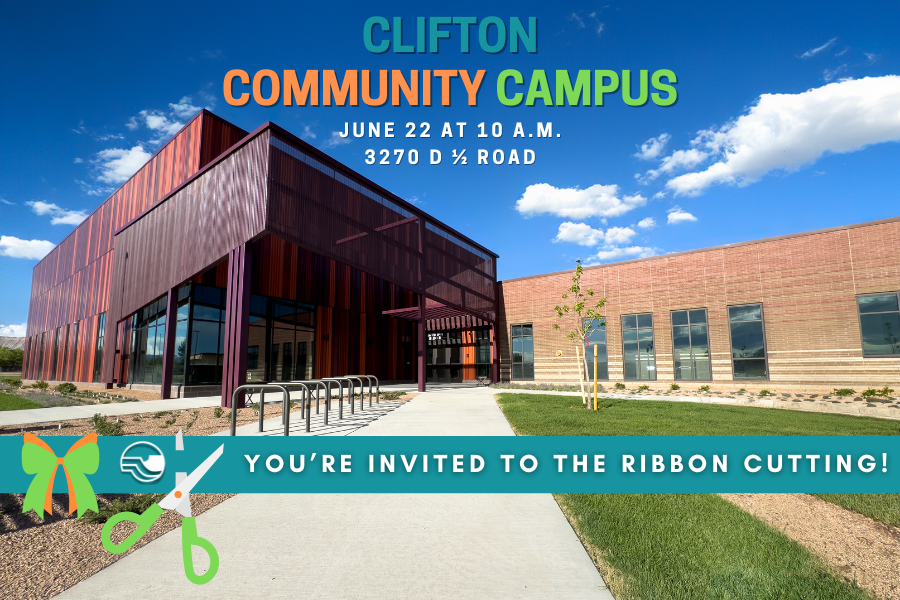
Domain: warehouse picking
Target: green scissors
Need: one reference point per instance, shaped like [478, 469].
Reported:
[179, 500]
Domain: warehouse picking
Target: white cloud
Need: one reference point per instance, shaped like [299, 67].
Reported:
[183, 108]
[823, 47]
[336, 140]
[617, 253]
[872, 57]
[677, 161]
[788, 131]
[13, 330]
[678, 215]
[7, 202]
[579, 233]
[94, 190]
[648, 223]
[78, 160]
[652, 148]
[619, 235]
[117, 164]
[30, 249]
[574, 203]
[308, 133]
[59, 215]
[659, 195]
[830, 74]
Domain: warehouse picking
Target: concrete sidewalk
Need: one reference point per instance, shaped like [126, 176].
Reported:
[407, 546]
[67, 413]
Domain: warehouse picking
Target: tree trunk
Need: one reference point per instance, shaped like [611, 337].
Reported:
[582, 370]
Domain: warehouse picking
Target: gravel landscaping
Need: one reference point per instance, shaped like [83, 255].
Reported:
[860, 549]
[42, 558]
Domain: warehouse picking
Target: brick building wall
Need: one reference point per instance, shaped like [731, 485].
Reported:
[807, 284]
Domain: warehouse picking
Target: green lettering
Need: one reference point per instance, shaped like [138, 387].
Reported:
[564, 90]
[600, 88]
[539, 88]
[626, 89]
[672, 97]
[501, 87]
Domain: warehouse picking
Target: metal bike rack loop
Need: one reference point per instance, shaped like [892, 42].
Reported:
[377, 387]
[285, 418]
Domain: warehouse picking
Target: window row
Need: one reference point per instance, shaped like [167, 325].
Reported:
[879, 322]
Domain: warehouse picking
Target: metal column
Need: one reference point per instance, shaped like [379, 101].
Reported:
[237, 324]
[169, 344]
[421, 343]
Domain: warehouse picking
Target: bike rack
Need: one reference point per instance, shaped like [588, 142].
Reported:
[285, 418]
[340, 381]
[377, 387]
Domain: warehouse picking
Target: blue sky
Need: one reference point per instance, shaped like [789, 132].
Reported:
[787, 119]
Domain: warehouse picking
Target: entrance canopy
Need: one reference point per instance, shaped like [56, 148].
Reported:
[438, 317]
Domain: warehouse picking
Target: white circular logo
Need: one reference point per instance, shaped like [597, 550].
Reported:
[144, 461]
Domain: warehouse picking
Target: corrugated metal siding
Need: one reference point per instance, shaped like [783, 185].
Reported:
[72, 282]
[192, 229]
[339, 216]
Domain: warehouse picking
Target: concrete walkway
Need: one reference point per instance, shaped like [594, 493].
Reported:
[86, 411]
[413, 546]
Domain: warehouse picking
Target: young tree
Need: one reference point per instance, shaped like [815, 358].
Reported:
[584, 307]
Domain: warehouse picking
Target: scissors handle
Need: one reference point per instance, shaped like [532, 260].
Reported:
[189, 538]
[144, 522]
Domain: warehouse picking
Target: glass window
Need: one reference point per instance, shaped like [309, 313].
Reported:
[483, 352]
[596, 339]
[523, 352]
[98, 348]
[690, 345]
[253, 357]
[748, 341]
[638, 348]
[879, 323]
[148, 333]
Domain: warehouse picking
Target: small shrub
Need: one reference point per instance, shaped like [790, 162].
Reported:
[765, 393]
[704, 388]
[196, 415]
[104, 427]
[167, 423]
[394, 395]
[162, 413]
[136, 504]
[741, 391]
[218, 412]
[619, 386]
[66, 388]
[883, 392]
[12, 382]
[844, 392]
[41, 385]
[674, 387]
[643, 387]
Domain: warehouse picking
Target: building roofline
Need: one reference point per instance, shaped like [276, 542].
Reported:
[319, 155]
[722, 247]
[124, 183]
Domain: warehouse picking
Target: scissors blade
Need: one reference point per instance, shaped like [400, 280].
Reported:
[183, 488]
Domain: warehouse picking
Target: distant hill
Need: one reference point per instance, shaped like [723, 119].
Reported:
[16, 343]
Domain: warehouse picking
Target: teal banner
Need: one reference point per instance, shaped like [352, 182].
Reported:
[482, 464]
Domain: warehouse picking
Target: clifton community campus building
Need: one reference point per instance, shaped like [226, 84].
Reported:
[235, 257]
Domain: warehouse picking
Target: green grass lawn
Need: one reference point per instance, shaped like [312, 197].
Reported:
[881, 507]
[535, 414]
[688, 546]
[10, 402]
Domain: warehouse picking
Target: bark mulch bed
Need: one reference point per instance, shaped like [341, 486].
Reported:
[858, 548]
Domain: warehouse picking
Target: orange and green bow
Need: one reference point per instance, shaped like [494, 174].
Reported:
[82, 459]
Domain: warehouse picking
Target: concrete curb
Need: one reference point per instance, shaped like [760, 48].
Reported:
[32, 416]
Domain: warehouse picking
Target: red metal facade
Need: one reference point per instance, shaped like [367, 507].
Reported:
[71, 284]
[193, 228]
[339, 242]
